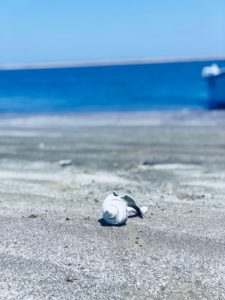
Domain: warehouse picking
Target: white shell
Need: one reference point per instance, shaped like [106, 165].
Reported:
[114, 210]
[132, 211]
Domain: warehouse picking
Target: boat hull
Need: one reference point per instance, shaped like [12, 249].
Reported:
[216, 86]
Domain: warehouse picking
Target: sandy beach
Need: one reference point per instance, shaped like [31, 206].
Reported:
[51, 243]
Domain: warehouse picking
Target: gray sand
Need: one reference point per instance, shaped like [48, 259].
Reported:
[51, 243]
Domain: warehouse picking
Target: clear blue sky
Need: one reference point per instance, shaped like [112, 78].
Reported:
[71, 30]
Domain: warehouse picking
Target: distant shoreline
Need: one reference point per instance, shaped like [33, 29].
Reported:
[106, 63]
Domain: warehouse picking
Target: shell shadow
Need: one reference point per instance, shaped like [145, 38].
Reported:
[132, 216]
[105, 224]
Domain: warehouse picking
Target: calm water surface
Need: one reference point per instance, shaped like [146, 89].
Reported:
[130, 87]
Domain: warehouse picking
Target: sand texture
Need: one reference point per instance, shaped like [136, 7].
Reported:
[51, 243]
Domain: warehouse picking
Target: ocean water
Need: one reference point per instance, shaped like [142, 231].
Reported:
[162, 86]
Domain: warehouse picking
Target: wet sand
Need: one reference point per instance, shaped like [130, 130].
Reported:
[51, 243]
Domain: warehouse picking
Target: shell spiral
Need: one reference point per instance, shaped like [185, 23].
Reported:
[114, 210]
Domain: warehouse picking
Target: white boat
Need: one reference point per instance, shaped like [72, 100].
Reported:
[215, 77]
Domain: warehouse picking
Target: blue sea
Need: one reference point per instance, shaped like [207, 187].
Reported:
[163, 86]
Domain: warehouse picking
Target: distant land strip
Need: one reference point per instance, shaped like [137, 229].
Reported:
[83, 64]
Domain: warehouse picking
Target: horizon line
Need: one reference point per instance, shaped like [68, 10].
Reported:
[107, 63]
